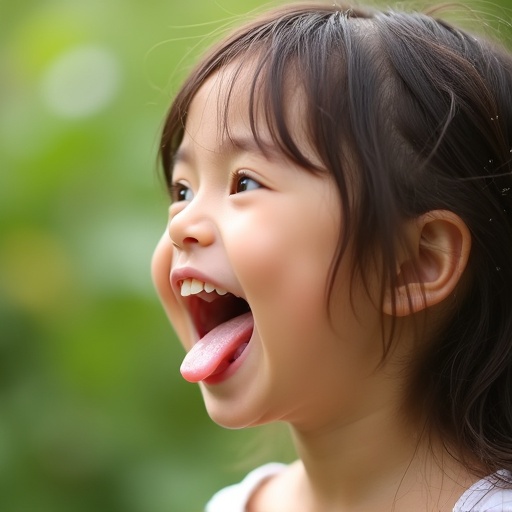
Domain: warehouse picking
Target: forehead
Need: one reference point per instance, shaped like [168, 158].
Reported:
[221, 102]
[236, 106]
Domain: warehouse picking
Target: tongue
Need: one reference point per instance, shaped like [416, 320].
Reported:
[216, 348]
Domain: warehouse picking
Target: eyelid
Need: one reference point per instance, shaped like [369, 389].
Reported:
[175, 187]
[239, 174]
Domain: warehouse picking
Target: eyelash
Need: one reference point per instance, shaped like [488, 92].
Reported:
[175, 191]
[238, 177]
[178, 191]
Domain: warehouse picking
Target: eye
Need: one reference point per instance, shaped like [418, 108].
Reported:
[180, 192]
[242, 182]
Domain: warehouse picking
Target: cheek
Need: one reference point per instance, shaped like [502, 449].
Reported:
[283, 261]
[161, 265]
[160, 271]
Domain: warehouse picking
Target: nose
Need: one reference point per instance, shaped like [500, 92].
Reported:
[191, 227]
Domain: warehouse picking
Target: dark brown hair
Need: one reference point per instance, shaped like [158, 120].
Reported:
[417, 115]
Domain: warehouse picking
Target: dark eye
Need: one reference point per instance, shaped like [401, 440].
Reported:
[180, 192]
[244, 184]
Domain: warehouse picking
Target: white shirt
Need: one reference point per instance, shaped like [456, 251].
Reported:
[484, 496]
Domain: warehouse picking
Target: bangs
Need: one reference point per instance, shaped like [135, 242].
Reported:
[295, 61]
[275, 103]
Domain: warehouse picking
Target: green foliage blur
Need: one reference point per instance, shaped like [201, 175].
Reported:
[94, 415]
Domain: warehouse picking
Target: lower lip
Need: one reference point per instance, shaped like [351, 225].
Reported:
[231, 369]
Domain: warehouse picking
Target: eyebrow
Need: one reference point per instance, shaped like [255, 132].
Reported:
[232, 146]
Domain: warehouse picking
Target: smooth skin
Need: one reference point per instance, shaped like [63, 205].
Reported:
[265, 229]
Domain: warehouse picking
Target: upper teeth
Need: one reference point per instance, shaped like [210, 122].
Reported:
[194, 286]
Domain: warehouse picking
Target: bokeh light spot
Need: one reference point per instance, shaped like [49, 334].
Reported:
[81, 81]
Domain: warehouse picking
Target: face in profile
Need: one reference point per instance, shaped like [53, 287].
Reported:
[243, 274]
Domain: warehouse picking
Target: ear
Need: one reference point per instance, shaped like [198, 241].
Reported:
[437, 249]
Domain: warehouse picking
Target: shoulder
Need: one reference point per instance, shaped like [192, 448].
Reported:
[235, 498]
[282, 492]
[487, 495]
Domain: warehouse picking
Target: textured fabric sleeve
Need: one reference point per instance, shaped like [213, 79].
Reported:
[234, 498]
[487, 495]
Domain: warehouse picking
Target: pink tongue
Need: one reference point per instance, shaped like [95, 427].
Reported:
[216, 347]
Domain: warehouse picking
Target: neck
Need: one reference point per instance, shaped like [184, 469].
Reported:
[378, 463]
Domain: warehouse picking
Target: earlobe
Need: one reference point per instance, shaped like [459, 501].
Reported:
[438, 246]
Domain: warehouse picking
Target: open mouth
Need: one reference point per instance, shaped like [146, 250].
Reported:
[224, 325]
[208, 315]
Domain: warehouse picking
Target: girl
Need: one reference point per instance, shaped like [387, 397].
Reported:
[338, 257]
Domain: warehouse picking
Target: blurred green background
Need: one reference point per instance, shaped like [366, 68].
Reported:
[93, 412]
[94, 415]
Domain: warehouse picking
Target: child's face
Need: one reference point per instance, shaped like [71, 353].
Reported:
[266, 230]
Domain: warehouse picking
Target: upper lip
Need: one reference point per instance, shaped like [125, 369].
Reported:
[180, 274]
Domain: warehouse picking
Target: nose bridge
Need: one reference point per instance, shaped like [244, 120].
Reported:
[193, 224]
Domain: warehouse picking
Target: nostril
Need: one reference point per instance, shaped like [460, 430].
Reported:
[190, 231]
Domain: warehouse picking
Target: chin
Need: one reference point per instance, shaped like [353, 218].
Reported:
[232, 416]
[227, 416]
